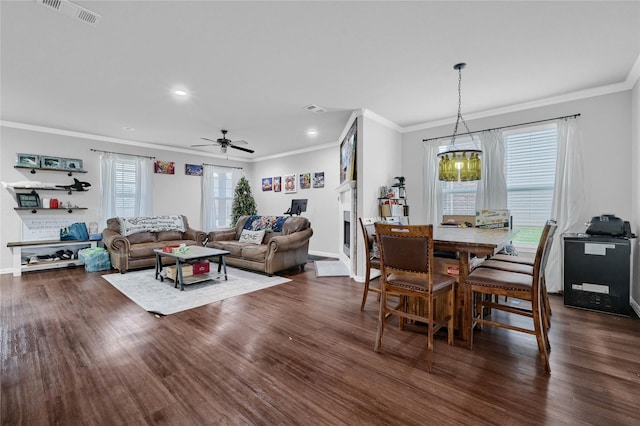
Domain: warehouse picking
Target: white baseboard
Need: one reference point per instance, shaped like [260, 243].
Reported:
[635, 307]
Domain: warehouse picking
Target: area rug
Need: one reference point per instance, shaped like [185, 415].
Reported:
[331, 268]
[159, 297]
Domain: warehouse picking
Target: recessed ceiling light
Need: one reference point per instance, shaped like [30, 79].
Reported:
[312, 133]
[180, 92]
[128, 129]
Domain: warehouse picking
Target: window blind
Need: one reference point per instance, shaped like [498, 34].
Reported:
[126, 187]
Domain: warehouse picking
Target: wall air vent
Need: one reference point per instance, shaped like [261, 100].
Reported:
[315, 108]
[67, 8]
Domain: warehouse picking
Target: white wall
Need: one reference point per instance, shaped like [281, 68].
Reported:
[322, 207]
[173, 194]
[606, 139]
[635, 191]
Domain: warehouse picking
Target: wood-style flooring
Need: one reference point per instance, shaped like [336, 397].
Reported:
[75, 351]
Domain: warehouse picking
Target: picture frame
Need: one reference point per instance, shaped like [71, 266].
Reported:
[193, 169]
[348, 153]
[47, 162]
[72, 164]
[277, 183]
[318, 179]
[31, 200]
[164, 167]
[290, 186]
[28, 160]
[267, 184]
[305, 180]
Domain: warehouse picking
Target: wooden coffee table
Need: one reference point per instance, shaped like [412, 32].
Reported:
[195, 254]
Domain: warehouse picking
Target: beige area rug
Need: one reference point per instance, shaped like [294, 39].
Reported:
[160, 297]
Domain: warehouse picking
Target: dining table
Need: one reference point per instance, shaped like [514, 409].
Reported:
[468, 242]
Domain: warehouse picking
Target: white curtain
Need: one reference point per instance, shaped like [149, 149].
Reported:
[218, 185]
[142, 180]
[432, 189]
[568, 196]
[492, 188]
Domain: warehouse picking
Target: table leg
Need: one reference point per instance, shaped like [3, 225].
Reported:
[179, 277]
[464, 304]
[224, 265]
[158, 265]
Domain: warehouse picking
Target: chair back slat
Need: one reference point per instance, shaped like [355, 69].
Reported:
[406, 248]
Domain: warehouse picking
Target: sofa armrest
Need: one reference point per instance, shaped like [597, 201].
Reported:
[115, 241]
[226, 234]
[291, 241]
[194, 234]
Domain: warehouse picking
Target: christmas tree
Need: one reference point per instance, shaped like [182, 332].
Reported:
[243, 202]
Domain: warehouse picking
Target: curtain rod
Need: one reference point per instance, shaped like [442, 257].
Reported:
[219, 165]
[122, 153]
[505, 127]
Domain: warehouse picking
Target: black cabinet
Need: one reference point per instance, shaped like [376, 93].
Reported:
[597, 273]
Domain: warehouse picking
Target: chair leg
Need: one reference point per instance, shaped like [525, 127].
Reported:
[430, 336]
[541, 337]
[366, 289]
[450, 312]
[381, 318]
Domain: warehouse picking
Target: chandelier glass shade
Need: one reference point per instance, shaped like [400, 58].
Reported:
[460, 164]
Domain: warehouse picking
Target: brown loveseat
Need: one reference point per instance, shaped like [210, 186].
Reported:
[130, 241]
[284, 245]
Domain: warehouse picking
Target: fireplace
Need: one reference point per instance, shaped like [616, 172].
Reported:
[346, 232]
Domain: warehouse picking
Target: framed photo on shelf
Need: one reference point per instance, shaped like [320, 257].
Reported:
[28, 200]
[28, 160]
[47, 162]
[72, 164]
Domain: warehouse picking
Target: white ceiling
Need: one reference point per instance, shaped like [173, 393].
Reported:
[252, 67]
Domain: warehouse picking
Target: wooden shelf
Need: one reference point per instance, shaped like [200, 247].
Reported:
[33, 170]
[34, 210]
[33, 190]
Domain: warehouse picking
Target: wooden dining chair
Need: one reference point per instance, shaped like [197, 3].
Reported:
[406, 254]
[523, 264]
[490, 282]
[367, 225]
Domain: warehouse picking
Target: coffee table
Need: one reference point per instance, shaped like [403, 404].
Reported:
[195, 254]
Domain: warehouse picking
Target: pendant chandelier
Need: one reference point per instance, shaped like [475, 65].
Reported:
[460, 164]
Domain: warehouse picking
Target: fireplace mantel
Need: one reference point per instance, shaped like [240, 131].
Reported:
[347, 204]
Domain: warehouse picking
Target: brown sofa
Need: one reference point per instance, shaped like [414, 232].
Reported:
[135, 250]
[285, 243]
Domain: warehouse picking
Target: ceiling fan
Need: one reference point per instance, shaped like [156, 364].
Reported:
[224, 143]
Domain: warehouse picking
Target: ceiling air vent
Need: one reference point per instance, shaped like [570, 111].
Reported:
[315, 108]
[67, 8]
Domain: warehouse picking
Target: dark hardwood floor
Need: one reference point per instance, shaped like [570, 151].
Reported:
[77, 351]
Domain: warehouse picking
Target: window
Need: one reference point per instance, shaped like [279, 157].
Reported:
[223, 190]
[125, 187]
[530, 165]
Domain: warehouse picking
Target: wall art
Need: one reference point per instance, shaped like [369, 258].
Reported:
[193, 169]
[289, 184]
[267, 184]
[28, 160]
[72, 164]
[318, 179]
[277, 183]
[305, 180]
[164, 167]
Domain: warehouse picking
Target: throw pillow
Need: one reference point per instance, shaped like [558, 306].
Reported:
[254, 237]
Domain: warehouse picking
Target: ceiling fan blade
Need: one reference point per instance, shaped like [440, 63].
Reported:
[210, 140]
[250, 151]
[205, 144]
[240, 142]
